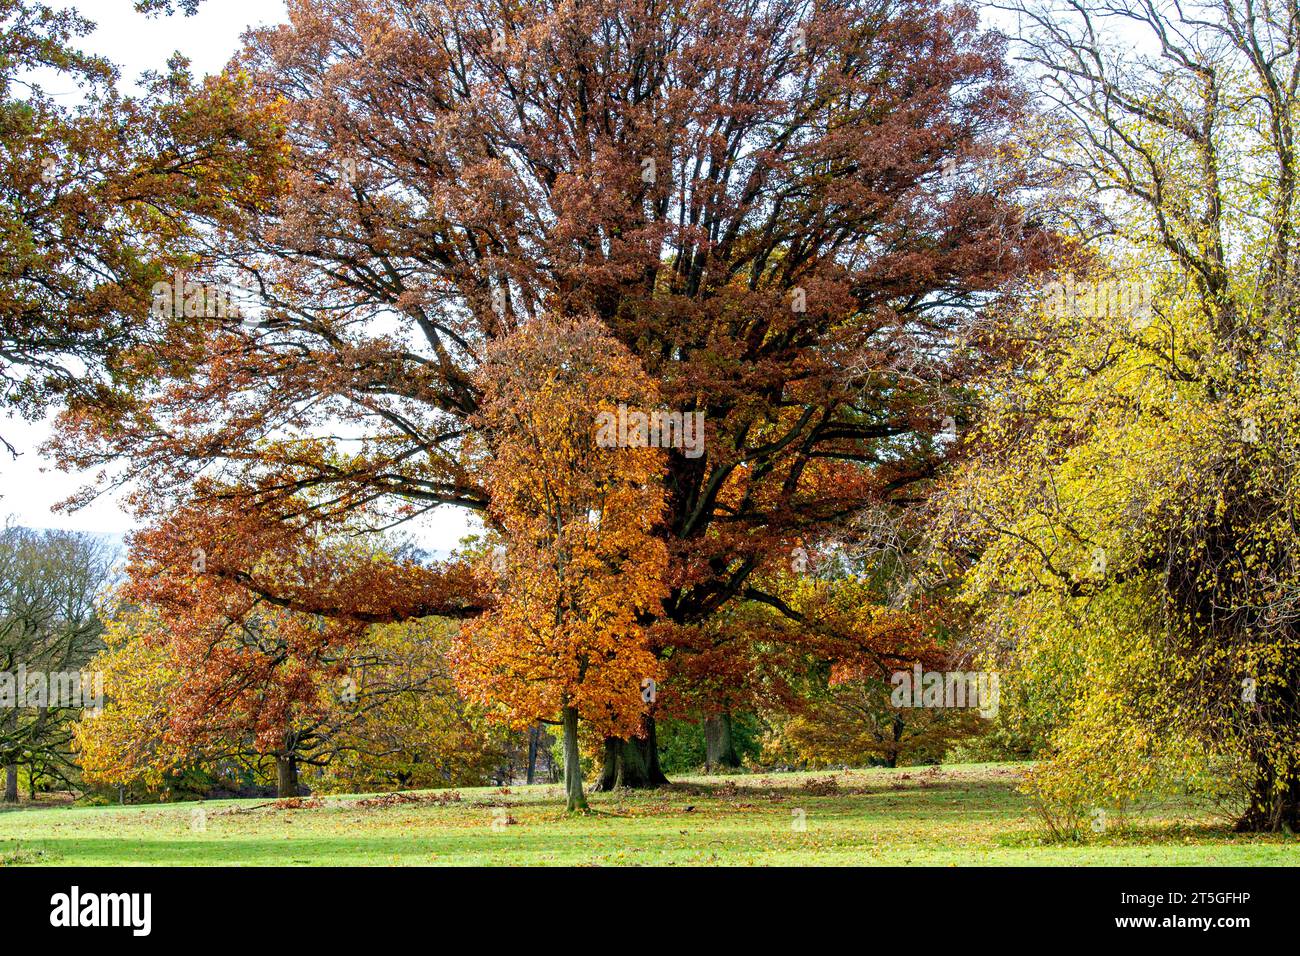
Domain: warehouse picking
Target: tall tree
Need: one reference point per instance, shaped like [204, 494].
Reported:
[51, 583]
[786, 211]
[1132, 491]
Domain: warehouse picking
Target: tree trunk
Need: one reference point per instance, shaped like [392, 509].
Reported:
[1275, 797]
[719, 748]
[577, 800]
[286, 774]
[534, 738]
[891, 754]
[1272, 807]
[631, 763]
[11, 769]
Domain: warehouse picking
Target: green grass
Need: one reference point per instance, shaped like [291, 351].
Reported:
[961, 815]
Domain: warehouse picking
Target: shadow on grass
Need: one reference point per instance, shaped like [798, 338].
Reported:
[892, 785]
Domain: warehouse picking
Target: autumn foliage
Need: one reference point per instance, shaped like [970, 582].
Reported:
[581, 570]
[468, 227]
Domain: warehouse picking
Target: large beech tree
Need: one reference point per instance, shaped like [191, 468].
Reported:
[786, 211]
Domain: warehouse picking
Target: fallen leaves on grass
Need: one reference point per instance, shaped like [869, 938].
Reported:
[821, 786]
[298, 803]
[288, 803]
[440, 797]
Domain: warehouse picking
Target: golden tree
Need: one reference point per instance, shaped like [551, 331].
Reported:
[1132, 490]
[580, 568]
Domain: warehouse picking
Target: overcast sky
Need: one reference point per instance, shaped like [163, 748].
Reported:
[31, 486]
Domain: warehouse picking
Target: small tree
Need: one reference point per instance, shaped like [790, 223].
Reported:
[253, 664]
[386, 715]
[580, 567]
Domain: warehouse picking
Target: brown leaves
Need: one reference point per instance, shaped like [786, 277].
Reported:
[742, 200]
[438, 798]
[255, 612]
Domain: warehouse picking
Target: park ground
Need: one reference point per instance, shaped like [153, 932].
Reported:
[959, 815]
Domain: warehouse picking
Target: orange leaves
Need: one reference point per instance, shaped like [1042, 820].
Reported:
[581, 568]
[240, 555]
[757, 236]
[255, 611]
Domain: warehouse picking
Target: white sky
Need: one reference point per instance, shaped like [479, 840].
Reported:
[31, 486]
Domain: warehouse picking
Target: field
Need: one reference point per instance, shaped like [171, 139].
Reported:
[960, 815]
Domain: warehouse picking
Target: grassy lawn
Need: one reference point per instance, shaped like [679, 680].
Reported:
[960, 815]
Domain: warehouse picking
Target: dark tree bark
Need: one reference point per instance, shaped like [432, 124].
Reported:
[1272, 807]
[286, 774]
[632, 763]
[1270, 812]
[891, 755]
[719, 747]
[534, 738]
[576, 799]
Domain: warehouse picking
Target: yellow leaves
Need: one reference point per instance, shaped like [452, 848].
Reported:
[126, 741]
